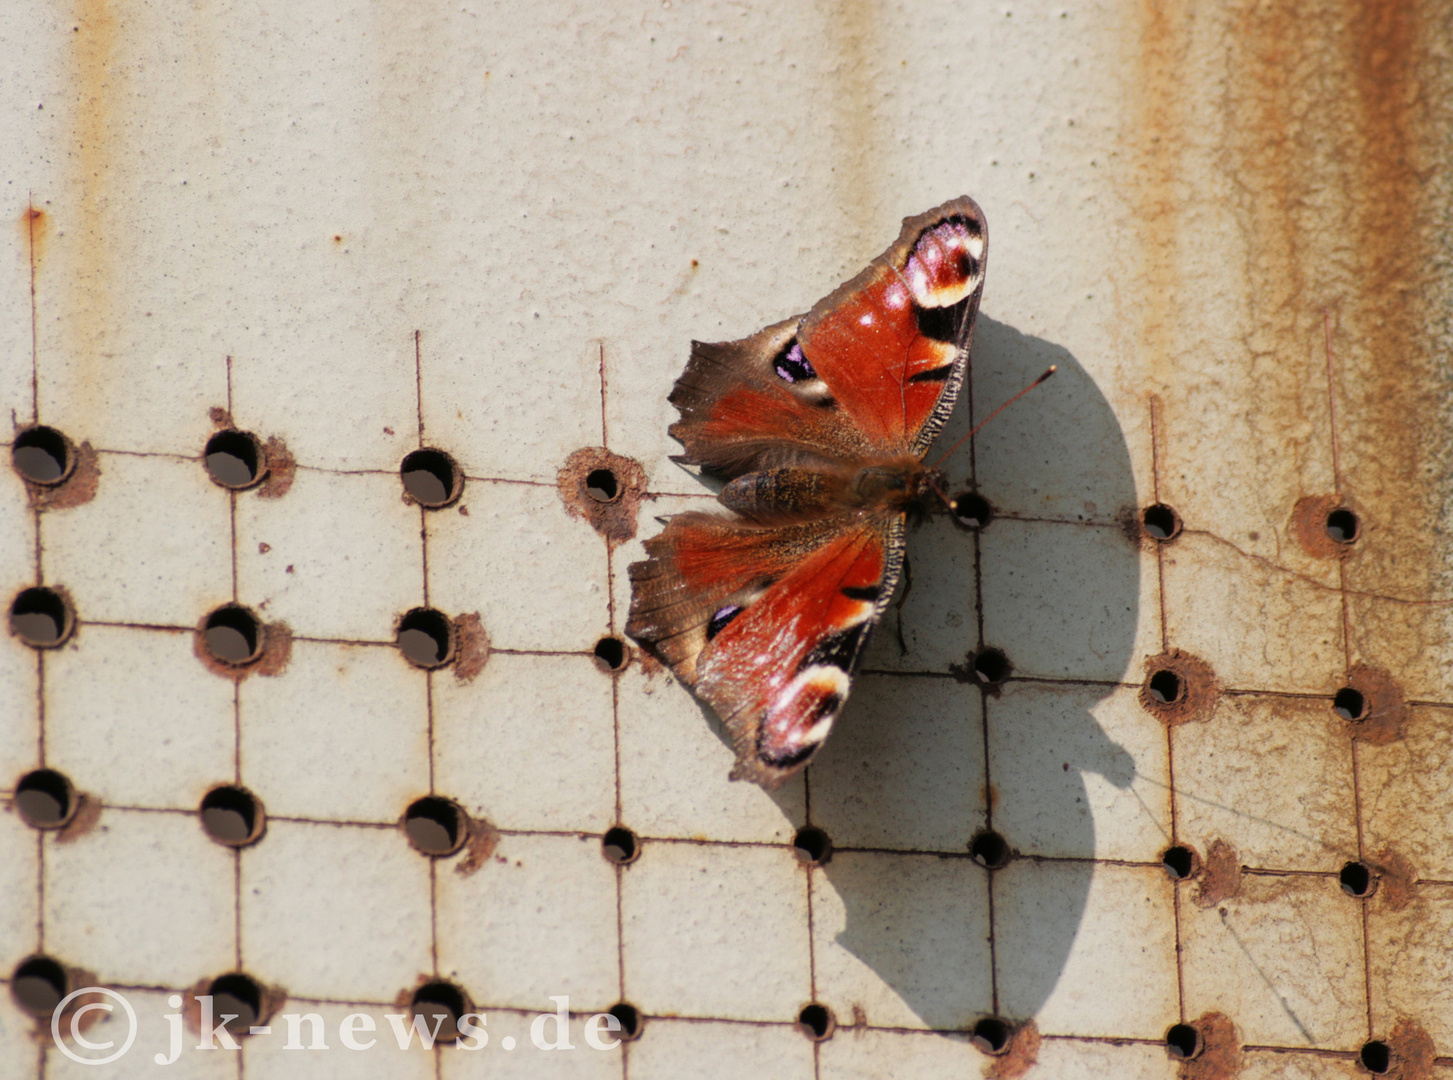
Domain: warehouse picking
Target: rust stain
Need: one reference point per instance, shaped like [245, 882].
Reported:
[77, 489]
[35, 229]
[221, 418]
[1019, 1057]
[1396, 878]
[1314, 138]
[1386, 706]
[89, 308]
[854, 39]
[471, 646]
[1221, 879]
[1220, 1056]
[1309, 525]
[1412, 1051]
[479, 846]
[1198, 689]
[271, 660]
[281, 469]
[614, 519]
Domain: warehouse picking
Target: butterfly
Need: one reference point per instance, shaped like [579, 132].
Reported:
[818, 425]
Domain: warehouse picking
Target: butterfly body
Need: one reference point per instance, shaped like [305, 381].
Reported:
[818, 424]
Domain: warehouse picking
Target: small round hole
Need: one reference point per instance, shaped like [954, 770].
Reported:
[232, 816]
[1160, 522]
[1376, 1057]
[234, 459]
[431, 478]
[1183, 1042]
[233, 635]
[442, 1003]
[816, 1022]
[991, 667]
[1357, 880]
[990, 850]
[1349, 704]
[426, 638]
[991, 1035]
[1166, 686]
[813, 846]
[620, 846]
[1180, 862]
[239, 995]
[45, 799]
[42, 455]
[1342, 526]
[435, 826]
[630, 1019]
[602, 486]
[972, 509]
[41, 618]
[611, 654]
[38, 985]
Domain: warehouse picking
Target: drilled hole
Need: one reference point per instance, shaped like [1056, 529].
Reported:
[45, 799]
[1160, 522]
[1166, 686]
[990, 850]
[232, 816]
[41, 618]
[239, 995]
[1183, 1042]
[431, 478]
[426, 638]
[991, 1035]
[619, 845]
[816, 1022]
[233, 635]
[1342, 526]
[602, 486]
[42, 455]
[1376, 1056]
[991, 667]
[813, 846]
[234, 459]
[1357, 880]
[442, 1003]
[38, 985]
[1349, 704]
[630, 1019]
[435, 826]
[972, 509]
[1180, 862]
[611, 654]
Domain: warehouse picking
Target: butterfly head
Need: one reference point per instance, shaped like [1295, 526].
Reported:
[903, 485]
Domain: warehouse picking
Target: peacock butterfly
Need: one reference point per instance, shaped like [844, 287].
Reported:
[818, 424]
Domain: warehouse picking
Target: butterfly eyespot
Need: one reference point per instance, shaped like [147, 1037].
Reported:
[724, 615]
[792, 366]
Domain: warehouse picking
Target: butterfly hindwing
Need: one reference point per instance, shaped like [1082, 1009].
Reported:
[766, 624]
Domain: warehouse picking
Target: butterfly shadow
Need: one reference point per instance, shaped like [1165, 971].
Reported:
[902, 911]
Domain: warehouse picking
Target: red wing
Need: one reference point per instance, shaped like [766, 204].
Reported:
[891, 344]
[766, 623]
[873, 369]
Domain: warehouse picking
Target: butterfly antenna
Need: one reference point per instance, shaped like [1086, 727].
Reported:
[1052, 369]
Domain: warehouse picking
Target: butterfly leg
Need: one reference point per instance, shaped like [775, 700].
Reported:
[898, 604]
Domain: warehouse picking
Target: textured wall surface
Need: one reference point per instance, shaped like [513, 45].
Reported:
[1213, 793]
